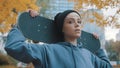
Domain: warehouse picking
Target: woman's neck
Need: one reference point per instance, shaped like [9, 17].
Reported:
[71, 40]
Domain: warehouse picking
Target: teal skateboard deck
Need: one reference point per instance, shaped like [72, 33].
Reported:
[44, 30]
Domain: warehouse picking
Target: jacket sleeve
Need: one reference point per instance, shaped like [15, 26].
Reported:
[19, 49]
[100, 60]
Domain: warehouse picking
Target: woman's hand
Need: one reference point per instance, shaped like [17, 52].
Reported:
[95, 35]
[33, 13]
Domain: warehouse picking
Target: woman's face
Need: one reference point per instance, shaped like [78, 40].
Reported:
[72, 25]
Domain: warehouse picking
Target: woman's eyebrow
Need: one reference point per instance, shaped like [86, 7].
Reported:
[78, 19]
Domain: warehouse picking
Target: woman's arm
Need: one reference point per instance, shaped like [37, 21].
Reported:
[19, 49]
[100, 60]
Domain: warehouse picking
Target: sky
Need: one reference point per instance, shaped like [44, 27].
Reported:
[110, 33]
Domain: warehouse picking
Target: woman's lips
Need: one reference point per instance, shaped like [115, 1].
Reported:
[77, 30]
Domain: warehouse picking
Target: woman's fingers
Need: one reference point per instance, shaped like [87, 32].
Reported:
[95, 35]
[33, 13]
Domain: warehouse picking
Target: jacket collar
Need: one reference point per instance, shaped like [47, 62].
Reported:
[80, 45]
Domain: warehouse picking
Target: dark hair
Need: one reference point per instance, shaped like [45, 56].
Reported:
[59, 20]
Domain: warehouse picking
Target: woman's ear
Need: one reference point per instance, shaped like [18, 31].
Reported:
[63, 30]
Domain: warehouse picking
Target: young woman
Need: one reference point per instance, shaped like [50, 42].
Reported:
[66, 54]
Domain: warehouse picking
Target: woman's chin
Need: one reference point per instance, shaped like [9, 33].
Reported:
[77, 36]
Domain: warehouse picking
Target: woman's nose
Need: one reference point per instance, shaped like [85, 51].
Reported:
[77, 24]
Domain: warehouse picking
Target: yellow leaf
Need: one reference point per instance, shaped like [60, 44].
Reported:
[10, 9]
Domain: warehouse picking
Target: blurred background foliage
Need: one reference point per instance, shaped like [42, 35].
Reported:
[10, 9]
[113, 49]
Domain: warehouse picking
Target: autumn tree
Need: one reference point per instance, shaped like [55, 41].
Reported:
[116, 48]
[113, 48]
[9, 10]
[100, 5]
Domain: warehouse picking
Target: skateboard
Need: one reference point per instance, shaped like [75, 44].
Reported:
[44, 30]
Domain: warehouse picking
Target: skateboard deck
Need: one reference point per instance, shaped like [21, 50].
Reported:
[44, 30]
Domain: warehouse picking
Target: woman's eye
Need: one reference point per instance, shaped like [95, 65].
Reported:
[70, 22]
[79, 22]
